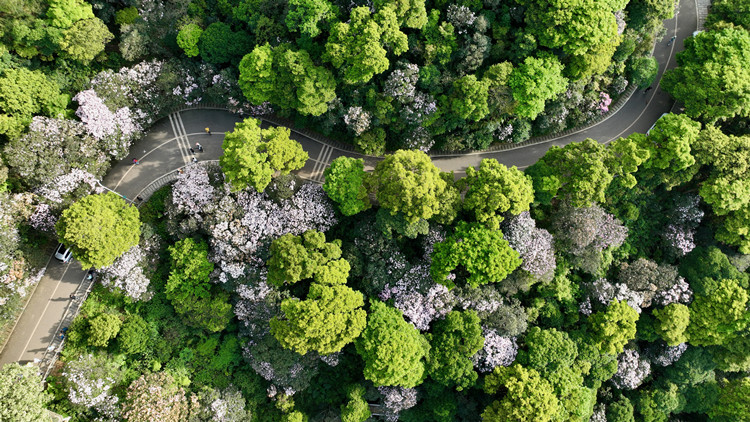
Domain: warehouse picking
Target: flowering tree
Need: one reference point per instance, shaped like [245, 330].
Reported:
[632, 370]
[357, 120]
[214, 405]
[192, 190]
[155, 397]
[22, 395]
[126, 274]
[497, 351]
[534, 245]
[90, 381]
[396, 400]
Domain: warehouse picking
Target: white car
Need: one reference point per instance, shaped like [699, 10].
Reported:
[63, 253]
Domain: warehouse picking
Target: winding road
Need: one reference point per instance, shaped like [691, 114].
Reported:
[166, 148]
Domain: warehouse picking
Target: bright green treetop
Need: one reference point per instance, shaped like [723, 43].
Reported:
[345, 182]
[483, 252]
[713, 76]
[305, 16]
[295, 258]
[535, 81]
[670, 140]
[102, 329]
[24, 93]
[719, 315]
[188, 38]
[468, 99]
[330, 318]
[736, 230]
[529, 397]
[86, 39]
[99, 228]
[612, 328]
[22, 395]
[454, 340]
[495, 189]
[576, 173]
[64, 13]
[408, 182]
[672, 321]
[252, 155]
[356, 408]
[734, 402]
[547, 350]
[411, 13]
[393, 350]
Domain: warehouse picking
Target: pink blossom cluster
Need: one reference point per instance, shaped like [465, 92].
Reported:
[535, 245]
[396, 400]
[56, 190]
[497, 351]
[126, 274]
[43, 218]
[420, 107]
[679, 239]
[632, 370]
[604, 102]
[418, 297]
[192, 190]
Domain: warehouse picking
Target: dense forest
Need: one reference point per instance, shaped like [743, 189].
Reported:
[603, 283]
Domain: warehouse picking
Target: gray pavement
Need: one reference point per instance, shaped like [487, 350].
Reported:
[166, 148]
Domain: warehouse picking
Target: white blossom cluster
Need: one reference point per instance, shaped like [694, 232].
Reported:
[126, 274]
[669, 354]
[418, 297]
[603, 292]
[502, 134]
[357, 119]
[396, 400]
[402, 82]
[433, 236]
[253, 311]
[534, 245]
[192, 190]
[632, 370]
[497, 351]
[461, 17]
[332, 359]
[679, 292]
[90, 385]
[43, 218]
[56, 190]
[600, 413]
[419, 138]
[116, 128]
[684, 219]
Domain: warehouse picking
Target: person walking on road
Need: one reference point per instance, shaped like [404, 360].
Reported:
[136, 162]
[671, 40]
[648, 89]
[195, 160]
[199, 147]
[208, 131]
[192, 151]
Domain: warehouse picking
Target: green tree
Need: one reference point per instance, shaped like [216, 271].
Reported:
[734, 402]
[24, 93]
[535, 81]
[330, 318]
[728, 161]
[345, 181]
[547, 350]
[712, 78]
[202, 304]
[356, 408]
[22, 395]
[735, 230]
[529, 397]
[305, 16]
[626, 155]
[439, 39]
[153, 397]
[85, 39]
[295, 258]
[482, 252]
[494, 190]
[454, 340]
[103, 328]
[188, 38]
[65, 13]
[716, 317]
[218, 44]
[576, 173]
[643, 71]
[613, 327]
[670, 140]
[357, 48]
[408, 182]
[393, 350]
[411, 13]
[99, 228]
[468, 98]
[252, 155]
[672, 321]
[134, 335]
[272, 74]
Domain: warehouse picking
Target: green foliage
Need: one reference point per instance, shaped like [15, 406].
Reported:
[713, 76]
[218, 44]
[252, 155]
[65, 13]
[736, 230]
[547, 350]
[345, 182]
[439, 38]
[126, 16]
[612, 328]
[411, 13]
[408, 182]
[356, 409]
[620, 411]
[695, 366]
[494, 190]
[535, 81]
[643, 71]
[469, 98]
[704, 266]
[294, 258]
[188, 38]
[389, 223]
[482, 252]
[103, 328]
[734, 402]
[24, 93]
[330, 318]
[85, 39]
[134, 335]
[716, 317]
[671, 138]
[454, 340]
[272, 74]
[529, 397]
[305, 16]
[22, 395]
[393, 350]
[576, 173]
[99, 228]
[655, 405]
[673, 320]
[190, 290]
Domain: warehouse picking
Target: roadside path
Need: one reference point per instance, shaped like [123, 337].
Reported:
[166, 148]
